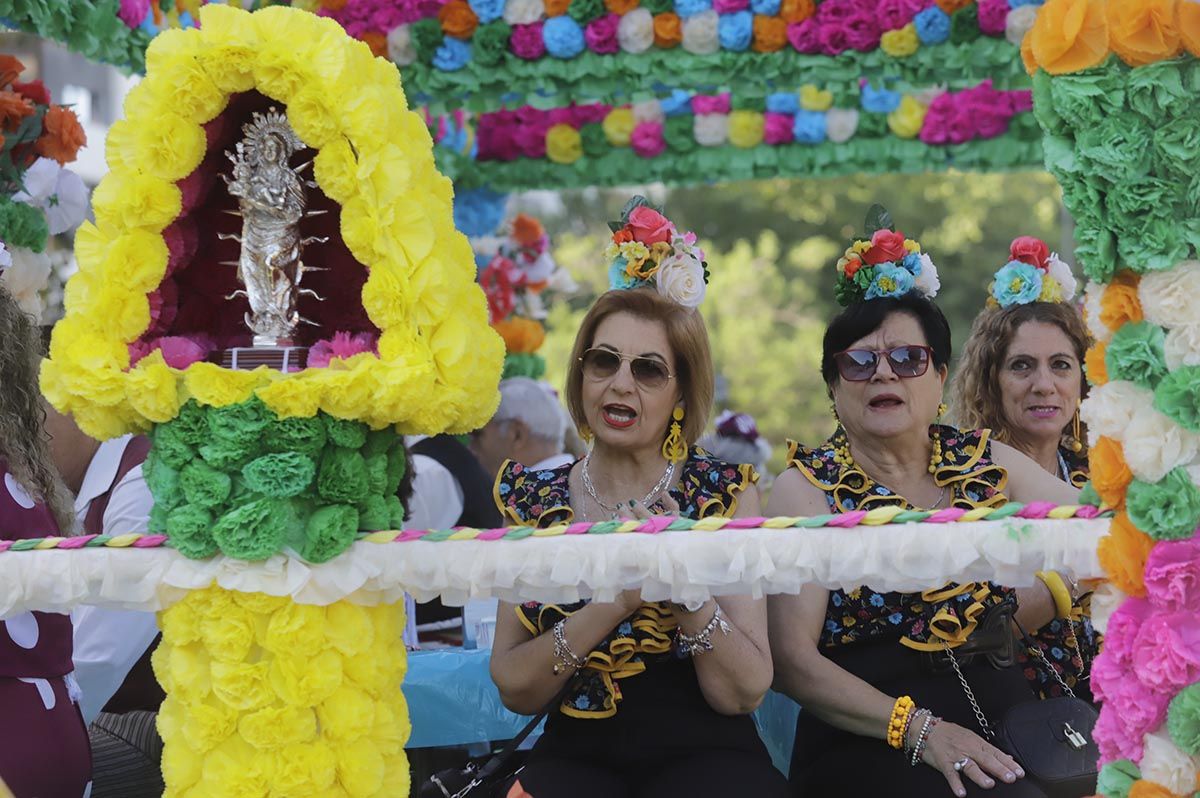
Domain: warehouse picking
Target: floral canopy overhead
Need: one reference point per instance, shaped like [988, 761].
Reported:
[563, 93]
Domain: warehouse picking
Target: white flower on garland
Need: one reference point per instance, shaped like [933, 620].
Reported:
[635, 31]
[700, 35]
[1169, 298]
[1182, 346]
[1091, 312]
[840, 124]
[1163, 763]
[927, 281]
[1154, 444]
[25, 279]
[1018, 23]
[711, 130]
[400, 46]
[680, 277]
[1110, 408]
[57, 192]
[649, 111]
[523, 12]
[1105, 601]
[1060, 272]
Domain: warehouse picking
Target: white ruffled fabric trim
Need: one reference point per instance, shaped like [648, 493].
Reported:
[681, 566]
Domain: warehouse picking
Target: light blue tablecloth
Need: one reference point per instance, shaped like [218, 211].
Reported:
[452, 701]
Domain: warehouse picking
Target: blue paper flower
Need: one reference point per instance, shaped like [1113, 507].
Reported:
[678, 104]
[768, 8]
[735, 30]
[933, 25]
[690, 8]
[879, 101]
[889, 280]
[452, 55]
[563, 37]
[478, 211]
[912, 262]
[617, 278]
[487, 10]
[783, 103]
[1017, 283]
[809, 127]
[1019, 3]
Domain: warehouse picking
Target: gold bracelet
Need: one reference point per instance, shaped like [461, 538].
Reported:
[1058, 589]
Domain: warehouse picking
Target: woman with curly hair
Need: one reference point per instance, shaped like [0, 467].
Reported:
[44, 748]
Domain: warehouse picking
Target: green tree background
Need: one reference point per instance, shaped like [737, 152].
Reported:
[771, 250]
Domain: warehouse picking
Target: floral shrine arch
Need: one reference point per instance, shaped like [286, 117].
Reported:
[670, 89]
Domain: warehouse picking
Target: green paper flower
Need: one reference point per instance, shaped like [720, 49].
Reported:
[229, 454]
[303, 435]
[169, 446]
[374, 514]
[1116, 147]
[871, 125]
[1096, 249]
[377, 474]
[191, 423]
[255, 530]
[203, 485]
[1116, 778]
[657, 7]
[1165, 510]
[280, 475]
[22, 225]
[162, 482]
[1135, 353]
[1044, 108]
[345, 433]
[379, 441]
[1084, 98]
[744, 102]
[680, 134]
[1156, 92]
[329, 532]
[157, 523]
[964, 25]
[584, 11]
[1178, 397]
[490, 42]
[524, 364]
[396, 465]
[1183, 720]
[342, 477]
[190, 530]
[426, 38]
[592, 137]
[239, 421]
[1089, 495]
[1149, 240]
[396, 512]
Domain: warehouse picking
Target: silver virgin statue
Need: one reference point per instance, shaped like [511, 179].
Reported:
[272, 202]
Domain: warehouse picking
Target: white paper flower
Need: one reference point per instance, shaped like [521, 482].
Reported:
[711, 130]
[1169, 298]
[1091, 312]
[649, 111]
[927, 281]
[1060, 272]
[1154, 444]
[523, 12]
[1109, 409]
[840, 124]
[57, 192]
[1182, 346]
[1163, 763]
[635, 31]
[700, 33]
[680, 279]
[1018, 23]
[400, 46]
[1105, 601]
[26, 278]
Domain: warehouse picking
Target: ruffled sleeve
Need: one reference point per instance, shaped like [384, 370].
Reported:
[711, 487]
[534, 498]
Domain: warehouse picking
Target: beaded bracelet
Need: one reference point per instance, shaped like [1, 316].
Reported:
[562, 650]
[899, 721]
[931, 720]
[699, 643]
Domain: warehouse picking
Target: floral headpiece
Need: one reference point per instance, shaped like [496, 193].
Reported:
[884, 264]
[646, 250]
[1033, 274]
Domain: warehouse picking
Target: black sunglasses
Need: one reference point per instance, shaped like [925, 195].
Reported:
[859, 365]
[600, 364]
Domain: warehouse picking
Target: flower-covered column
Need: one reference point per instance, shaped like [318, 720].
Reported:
[1116, 89]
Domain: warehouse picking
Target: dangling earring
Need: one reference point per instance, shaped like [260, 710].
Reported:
[673, 448]
[1076, 436]
[935, 457]
[585, 434]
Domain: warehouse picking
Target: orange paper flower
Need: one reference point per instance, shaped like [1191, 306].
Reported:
[458, 20]
[556, 8]
[333, 5]
[1069, 36]
[668, 30]
[10, 69]
[1123, 552]
[1110, 473]
[526, 230]
[1188, 18]
[1143, 31]
[1093, 363]
[950, 6]
[1027, 53]
[792, 11]
[377, 42]
[521, 335]
[770, 34]
[620, 7]
[13, 108]
[62, 135]
[1149, 789]
[1119, 304]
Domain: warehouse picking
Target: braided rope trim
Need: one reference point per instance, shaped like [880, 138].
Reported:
[649, 526]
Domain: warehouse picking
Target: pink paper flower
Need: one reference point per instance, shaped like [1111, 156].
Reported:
[530, 138]
[343, 345]
[1113, 741]
[1166, 651]
[836, 10]
[777, 128]
[181, 239]
[1139, 709]
[894, 14]
[862, 32]
[1123, 627]
[805, 36]
[993, 15]
[601, 34]
[180, 352]
[834, 38]
[591, 114]
[711, 104]
[730, 6]
[527, 42]
[1173, 575]
[494, 136]
[647, 139]
[132, 12]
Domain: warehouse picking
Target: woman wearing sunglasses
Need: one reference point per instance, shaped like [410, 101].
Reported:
[1021, 375]
[659, 694]
[879, 694]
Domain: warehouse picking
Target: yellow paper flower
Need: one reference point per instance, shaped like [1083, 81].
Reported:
[208, 723]
[912, 246]
[900, 43]
[181, 626]
[242, 685]
[212, 385]
[746, 128]
[235, 768]
[618, 126]
[813, 98]
[391, 732]
[1051, 290]
[360, 768]
[229, 634]
[227, 49]
[564, 144]
[278, 726]
[297, 629]
[189, 672]
[292, 398]
[311, 117]
[181, 766]
[152, 390]
[347, 715]
[907, 119]
[305, 681]
[348, 628]
[304, 769]
[136, 200]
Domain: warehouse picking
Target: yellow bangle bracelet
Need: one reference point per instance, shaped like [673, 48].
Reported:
[1058, 589]
[895, 731]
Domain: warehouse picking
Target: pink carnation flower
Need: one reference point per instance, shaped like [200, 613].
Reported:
[730, 6]
[527, 42]
[1123, 627]
[834, 37]
[647, 139]
[1166, 651]
[894, 14]
[180, 352]
[993, 14]
[862, 32]
[132, 12]
[1173, 575]
[711, 104]
[1113, 741]
[181, 239]
[804, 36]
[343, 345]
[601, 34]
[777, 128]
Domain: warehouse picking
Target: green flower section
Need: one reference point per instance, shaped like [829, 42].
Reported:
[1124, 144]
[1168, 509]
[88, 27]
[524, 364]
[22, 225]
[551, 82]
[240, 481]
[1183, 720]
[1178, 397]
[1117, 778]
[1135, 353]
[686, 162]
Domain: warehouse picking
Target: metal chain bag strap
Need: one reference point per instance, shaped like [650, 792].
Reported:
[1051, 738]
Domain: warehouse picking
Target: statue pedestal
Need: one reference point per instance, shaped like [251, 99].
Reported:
[248, 358]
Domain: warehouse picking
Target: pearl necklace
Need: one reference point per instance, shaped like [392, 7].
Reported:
[614, 510]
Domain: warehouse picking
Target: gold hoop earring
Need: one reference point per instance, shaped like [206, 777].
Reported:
[673, 448]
